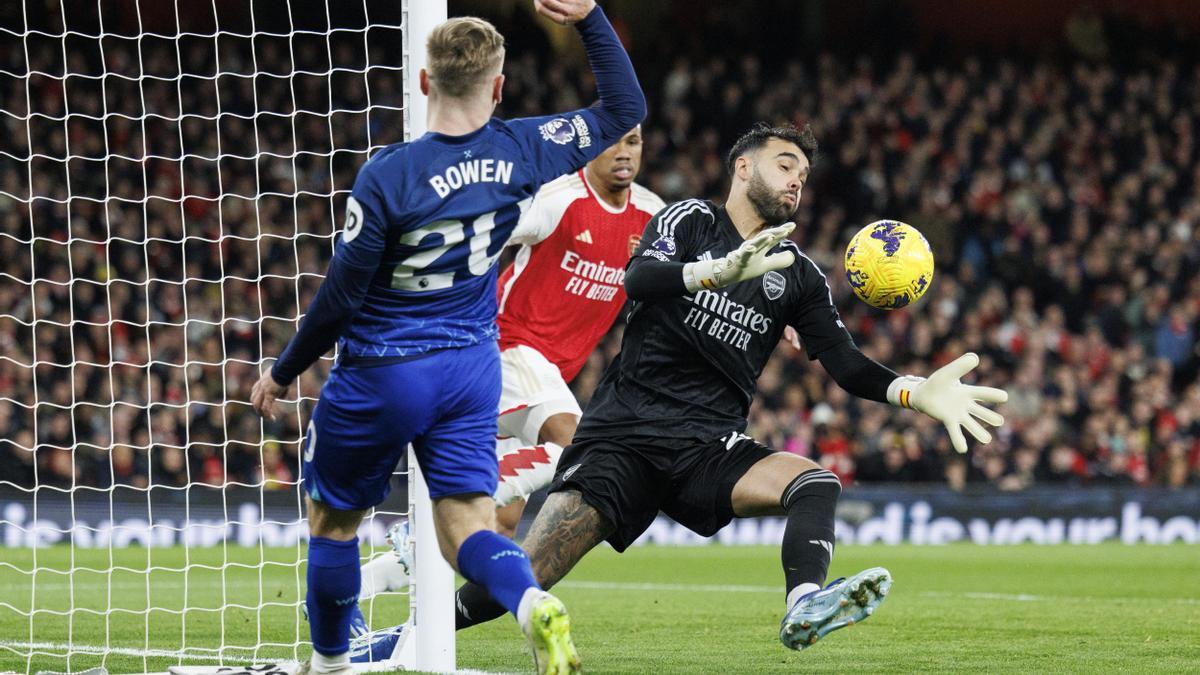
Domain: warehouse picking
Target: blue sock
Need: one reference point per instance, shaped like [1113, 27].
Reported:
[333, 584]
[499, 565]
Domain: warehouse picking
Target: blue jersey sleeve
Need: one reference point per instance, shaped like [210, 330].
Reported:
[354, 264]
[559, 144]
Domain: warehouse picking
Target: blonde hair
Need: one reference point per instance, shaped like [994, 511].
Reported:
[461, 53]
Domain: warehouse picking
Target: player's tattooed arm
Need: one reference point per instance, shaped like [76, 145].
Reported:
[564, 531]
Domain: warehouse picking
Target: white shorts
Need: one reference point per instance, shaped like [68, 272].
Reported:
[532, 392]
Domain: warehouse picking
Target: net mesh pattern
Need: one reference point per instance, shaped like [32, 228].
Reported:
[171, 180]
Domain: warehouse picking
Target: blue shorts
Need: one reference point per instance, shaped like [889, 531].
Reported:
[444, 404]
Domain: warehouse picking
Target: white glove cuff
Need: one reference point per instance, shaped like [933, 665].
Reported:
[900, 391]
[699, 275]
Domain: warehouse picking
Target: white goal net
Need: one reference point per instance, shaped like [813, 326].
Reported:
[172, 175]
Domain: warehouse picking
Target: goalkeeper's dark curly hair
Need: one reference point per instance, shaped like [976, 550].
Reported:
[761, 132]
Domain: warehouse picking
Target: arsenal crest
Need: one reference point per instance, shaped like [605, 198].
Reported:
[634, 240]
[773, 284]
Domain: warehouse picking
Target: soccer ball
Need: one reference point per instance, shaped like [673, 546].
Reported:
[889, 264]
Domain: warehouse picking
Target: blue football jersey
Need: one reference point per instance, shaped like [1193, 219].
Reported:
[429, 218]
[415, 268]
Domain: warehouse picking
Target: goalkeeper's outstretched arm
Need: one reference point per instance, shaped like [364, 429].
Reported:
[942, 396]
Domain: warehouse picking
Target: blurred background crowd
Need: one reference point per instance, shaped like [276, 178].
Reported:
[1059, 186]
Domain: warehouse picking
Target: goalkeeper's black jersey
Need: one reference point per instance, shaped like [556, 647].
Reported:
[688, 365]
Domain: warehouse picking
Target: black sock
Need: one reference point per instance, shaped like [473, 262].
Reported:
[808, 539]
[474, 605]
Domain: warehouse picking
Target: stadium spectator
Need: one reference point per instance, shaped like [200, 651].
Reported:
[1060, 196]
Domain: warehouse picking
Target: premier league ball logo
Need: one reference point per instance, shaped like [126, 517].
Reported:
[665, 245]
[558, 130]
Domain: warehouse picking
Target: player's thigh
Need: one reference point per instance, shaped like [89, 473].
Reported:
[703, 481]
[457, 452]
[362, 423]
[759, 492]
[624, 485]
[533, 392]
[559, 427]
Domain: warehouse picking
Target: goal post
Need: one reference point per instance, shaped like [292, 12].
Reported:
[431, 643]
[172, 181]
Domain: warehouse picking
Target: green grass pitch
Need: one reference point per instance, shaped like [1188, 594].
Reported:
[1086, 609]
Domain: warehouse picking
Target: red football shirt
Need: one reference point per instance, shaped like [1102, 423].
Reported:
[567, 284]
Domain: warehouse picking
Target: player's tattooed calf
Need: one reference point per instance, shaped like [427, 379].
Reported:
[565, 529]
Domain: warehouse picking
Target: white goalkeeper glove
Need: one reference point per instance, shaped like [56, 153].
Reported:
[951, 402]
[745, 262]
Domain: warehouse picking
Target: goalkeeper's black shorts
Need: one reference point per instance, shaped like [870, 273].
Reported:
[629, 484]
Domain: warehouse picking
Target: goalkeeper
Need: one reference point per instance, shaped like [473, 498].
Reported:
[713, 289]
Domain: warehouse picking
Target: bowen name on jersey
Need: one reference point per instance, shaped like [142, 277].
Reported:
[715, 315]
[471, 171]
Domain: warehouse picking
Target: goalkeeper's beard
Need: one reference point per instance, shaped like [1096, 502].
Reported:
[767, 202]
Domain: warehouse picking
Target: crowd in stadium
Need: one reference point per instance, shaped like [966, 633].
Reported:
[1060, 197]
